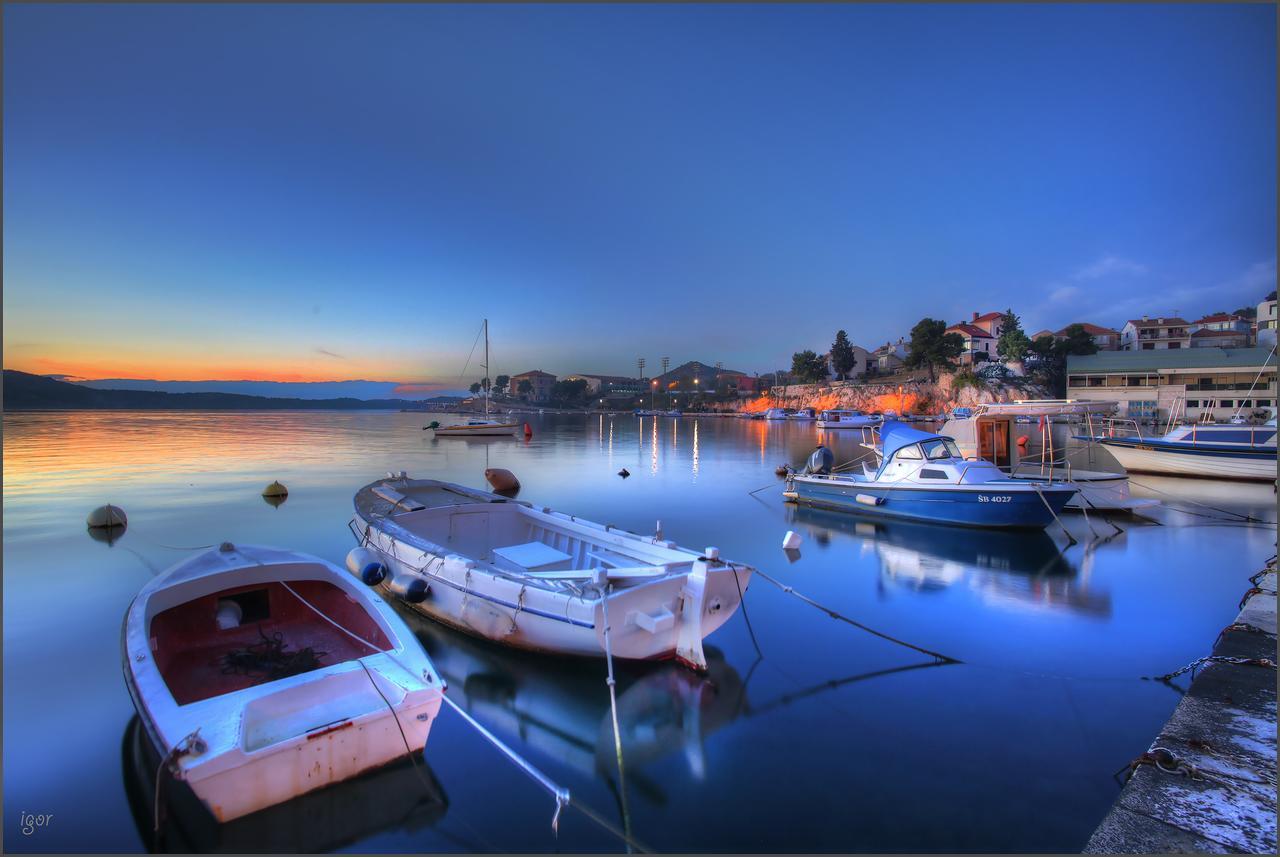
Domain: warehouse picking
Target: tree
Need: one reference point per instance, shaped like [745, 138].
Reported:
[1247, 312]
[808, 367]
[1077, 341]
[1045, 348]
[843, 358]
[1013, 342]
[932, 347]
[1271, 295]
[525, 387]
[500, 384]
[475, 389]
[569, 392]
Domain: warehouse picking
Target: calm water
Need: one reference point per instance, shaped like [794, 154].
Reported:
[834, 740]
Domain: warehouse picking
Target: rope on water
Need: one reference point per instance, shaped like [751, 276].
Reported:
[560, 794]
[613, 709]
[835, 615]
[742, 603]
[1045, 500]
[1239, 515]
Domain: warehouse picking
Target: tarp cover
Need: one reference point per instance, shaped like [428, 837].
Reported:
[895, 435]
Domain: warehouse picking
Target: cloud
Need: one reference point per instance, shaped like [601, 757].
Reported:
[1109, 266]
[328, 353]
[1063, 294]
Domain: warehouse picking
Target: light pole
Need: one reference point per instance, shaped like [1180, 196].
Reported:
[666, 361]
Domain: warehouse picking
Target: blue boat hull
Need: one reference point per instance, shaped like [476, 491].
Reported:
[1014, 507]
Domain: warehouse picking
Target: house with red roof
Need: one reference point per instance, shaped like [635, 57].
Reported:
[1222, 329]
[1104, 337]
[1155, 334]
[991, 322]
[979, 343]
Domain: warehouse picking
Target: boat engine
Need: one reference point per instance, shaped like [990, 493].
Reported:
[821, 461]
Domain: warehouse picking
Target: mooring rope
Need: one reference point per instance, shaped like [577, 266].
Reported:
[1239, 515]
[836, 615]
[613, 709]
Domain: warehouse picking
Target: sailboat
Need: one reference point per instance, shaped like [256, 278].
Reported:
[485, 427]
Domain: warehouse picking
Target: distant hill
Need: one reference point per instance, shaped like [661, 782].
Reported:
[274, 389]
[683, 375]
[23, 391]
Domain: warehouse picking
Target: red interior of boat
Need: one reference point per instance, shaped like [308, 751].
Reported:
[191, 650]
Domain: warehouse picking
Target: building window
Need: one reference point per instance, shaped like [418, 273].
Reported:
[1226, 403]
[1175, 344]
[1193, 403]
[1148, 346]
[1246, 403]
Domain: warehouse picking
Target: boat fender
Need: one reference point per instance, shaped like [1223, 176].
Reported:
[1022, 442]
[868, 500]
[408, 587]
[366, 565]
[791, 541]
[229, 614]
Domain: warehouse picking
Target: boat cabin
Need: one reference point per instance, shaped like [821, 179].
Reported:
[987, 431]
[908, 454]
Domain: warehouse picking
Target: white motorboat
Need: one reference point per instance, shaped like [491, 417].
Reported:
[482, 427]
[1212, 450]
[776, 414]
[261, 674]
[538, 579]
[988, 432]
[847, 419]
[804, 415]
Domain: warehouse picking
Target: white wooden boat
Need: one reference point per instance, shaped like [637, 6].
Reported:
[847, 419]
[1212, 450]
[538, 579]
[261, 674]
[987, 432]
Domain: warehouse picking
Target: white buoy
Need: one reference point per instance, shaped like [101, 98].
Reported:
[107, 516]
[791, 541]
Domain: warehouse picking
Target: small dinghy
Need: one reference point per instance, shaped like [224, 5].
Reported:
[924, 477]
[537, 579]
[262, 674]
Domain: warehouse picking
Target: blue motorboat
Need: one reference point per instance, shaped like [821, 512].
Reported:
[924, 477]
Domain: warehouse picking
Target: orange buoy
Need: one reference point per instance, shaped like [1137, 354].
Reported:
[502, 480]
[528, 432]
[1022, 441]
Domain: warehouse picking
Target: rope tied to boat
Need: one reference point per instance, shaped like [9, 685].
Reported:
[192, 744]
[837, 615]
[1212, 659]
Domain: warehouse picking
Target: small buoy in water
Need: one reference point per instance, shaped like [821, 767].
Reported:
[502, 480]
[107, 517]
[624, 473]
[793, 555]
[275, 501]
[528, 432]
[275, 489]
[791, 541]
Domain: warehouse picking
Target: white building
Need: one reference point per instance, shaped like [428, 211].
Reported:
[1267, 323]
[1155, 334]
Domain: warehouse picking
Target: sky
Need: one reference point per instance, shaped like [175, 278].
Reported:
[330, 192]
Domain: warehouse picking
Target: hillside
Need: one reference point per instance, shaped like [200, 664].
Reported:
[23, 391]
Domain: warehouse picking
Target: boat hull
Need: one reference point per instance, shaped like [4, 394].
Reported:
[1013, 507]
[1199, 460]
[497, 430]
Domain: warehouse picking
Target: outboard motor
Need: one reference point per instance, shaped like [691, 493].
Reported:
[366, 565]
[820, 462]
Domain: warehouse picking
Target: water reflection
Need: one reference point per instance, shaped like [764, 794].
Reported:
[399, 796]
[560, 707]
[1006, 568]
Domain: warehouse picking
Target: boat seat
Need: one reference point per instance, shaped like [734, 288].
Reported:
[531, 557]
[609, 559]
[397, 499]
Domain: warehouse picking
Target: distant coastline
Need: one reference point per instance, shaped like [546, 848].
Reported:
[26, 392]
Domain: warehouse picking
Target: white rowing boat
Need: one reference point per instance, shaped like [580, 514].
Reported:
[538, 579]
[261, 674]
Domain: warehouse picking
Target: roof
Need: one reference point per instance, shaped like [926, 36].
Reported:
[968, 330]
[991, 316]
[1219, 316]
[1158, 322]
[533, 372]
[1169, 358]
[895, 435]
[1045, 332]
[1091, 329]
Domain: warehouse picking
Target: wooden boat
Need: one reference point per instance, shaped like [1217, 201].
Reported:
[482, 427]
[538, 579]
[262, 674]
[988, 433]
[924, 477]
[1210, 450]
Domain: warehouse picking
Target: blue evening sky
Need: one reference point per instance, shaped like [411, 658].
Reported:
[329, 192]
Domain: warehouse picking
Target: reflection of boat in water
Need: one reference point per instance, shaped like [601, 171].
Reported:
[395, 796]
[1022, 567]
[561, 708]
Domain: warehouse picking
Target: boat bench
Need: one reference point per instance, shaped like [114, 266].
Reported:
[397, 499]
[531, 557]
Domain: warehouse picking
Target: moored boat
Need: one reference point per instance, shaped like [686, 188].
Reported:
[804, 415]
[538, 579]
[1209, 450]
[924, 477]
[261, 674]
[776, 414]
[847, 419]
[482, 427]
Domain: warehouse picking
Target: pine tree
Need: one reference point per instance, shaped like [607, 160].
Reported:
[843, 358]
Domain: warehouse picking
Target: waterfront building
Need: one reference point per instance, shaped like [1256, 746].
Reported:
[863, 361]
[542, 382]
[979, 344]
[1149, 383]
[1155, 334]
[1266, 323]
[1104, 337]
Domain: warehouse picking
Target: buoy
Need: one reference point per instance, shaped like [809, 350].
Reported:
[528, 432]
[624, 473]
[366, 565]
[107, 516]
[502, 480]
[1022, 441]
[275, 489]
[793, 555]
[791, 541]
[273, 501]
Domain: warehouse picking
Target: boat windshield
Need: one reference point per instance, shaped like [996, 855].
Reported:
[940, 449]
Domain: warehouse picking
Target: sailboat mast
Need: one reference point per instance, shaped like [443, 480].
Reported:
[486, 367]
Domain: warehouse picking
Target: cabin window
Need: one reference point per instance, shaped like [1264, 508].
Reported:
[927, 473]
[940, 450]
[911, 452]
